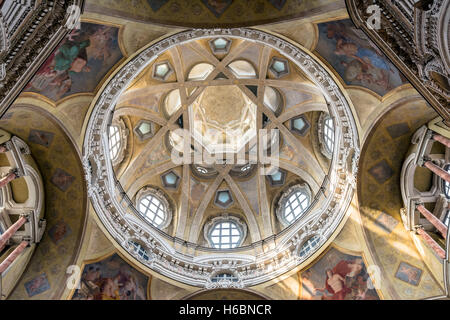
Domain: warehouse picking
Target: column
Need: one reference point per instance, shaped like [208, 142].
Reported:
[445, 141]
[9, 177]
[442, 228]
[433, 244]
[13, 256]
[11, 231]
[438, 170]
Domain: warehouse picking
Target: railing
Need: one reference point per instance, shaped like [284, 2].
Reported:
[129, 208]
[426, 212]
[29, 227]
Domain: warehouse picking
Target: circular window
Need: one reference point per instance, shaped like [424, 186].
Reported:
[225, 232]
[293, 204]
[154, 207]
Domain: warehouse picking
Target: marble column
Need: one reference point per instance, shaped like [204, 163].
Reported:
[445, 141]
[442, 228]
[430, 241]
[438, 170]
[9, 177]
[13, 256]
[11, 231]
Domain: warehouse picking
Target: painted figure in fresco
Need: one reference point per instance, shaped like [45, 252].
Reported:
[355, 58]
[59, 231]
[367, 65]
[55, 78]
[408, 274]
[310, 289]
[218, 5]
[71, 57]
[105, 282]
[335, 284]
[36, 284]
[336, 281]
[338, 276]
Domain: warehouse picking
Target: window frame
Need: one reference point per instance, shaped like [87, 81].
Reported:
[162, 198]
[310, 248]
[286, 195]
[211, 225]
[444, 183]
[139, 249]
[123, 137]
[324, 148]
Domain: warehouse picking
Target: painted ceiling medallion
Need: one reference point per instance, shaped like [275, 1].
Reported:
[222, 103]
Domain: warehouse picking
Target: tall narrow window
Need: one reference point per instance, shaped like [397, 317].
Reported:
[115, 141]
[328, 133]
[447, 219]
[447, 184]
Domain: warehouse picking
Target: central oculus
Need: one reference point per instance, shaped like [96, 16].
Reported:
[223, 119]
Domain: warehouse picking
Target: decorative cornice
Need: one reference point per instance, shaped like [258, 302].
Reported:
[415, 40]
[118, 214]
[26, 44]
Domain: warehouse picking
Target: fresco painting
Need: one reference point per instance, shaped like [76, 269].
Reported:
[37, 285]
[355, 58]
[337, 276]
[408, 273]
[79, 63]
[111, 279]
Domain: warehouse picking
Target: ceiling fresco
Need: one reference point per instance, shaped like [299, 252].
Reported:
[65, 201]
[111, 279]
[52, 116]
[380, 200]
[355, 58]
[79, 63]
[212, 13]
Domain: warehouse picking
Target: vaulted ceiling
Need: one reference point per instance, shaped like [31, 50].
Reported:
[155, 79]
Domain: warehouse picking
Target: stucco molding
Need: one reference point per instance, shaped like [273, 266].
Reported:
[118, 216]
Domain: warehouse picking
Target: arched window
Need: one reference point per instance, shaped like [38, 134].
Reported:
[308, 245]
[326, 134]
[154, 207]
[225, 232]
[293, 204]
[242, 69]
[297, 203]
[140, 250]
[115, 141]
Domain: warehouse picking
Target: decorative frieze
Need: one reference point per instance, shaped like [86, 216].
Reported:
[122, 222]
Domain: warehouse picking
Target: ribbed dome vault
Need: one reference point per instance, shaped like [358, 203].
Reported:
[221, 158]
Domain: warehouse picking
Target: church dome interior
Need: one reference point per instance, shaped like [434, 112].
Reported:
[224, 150]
